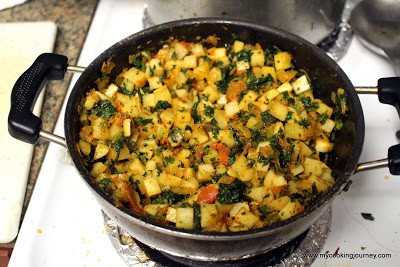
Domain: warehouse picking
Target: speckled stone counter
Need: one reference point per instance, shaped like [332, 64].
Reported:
[73, 18]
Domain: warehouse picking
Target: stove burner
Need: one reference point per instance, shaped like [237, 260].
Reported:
[135, 253]
[270, 258]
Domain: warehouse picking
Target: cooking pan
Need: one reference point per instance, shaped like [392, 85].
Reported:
[326, 77]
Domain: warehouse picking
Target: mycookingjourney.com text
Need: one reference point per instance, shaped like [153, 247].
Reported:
[350, 256]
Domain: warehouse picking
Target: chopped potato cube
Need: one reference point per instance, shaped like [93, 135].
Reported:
[100, 151]
[246, 217]
[278, 110]
[279, 203]
[285, 87]
[217, 54]
[328, 126]
[324, 108]
[272, 180]
[136, 76]
[257, 58]
[237, 46]
[100, 130]
[257, 193]
[136, 166]
[313, 167]
[295, 131]
[97, 169]
[282, 60]
[205, 172]
[236, 207]
[171, 214]
[208, 215]
[127, 127]
[152, 188]
[323, 145]
[271, 94]
[85, 147]
[301, 85]
[111, 90]
[291, 209]
[242, 65]
[184, 218]
[155, 209]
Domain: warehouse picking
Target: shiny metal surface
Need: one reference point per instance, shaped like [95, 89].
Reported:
[75, 69]
[367, 90]
[376, 164]
[52, 138]
[313, 20]
[377, 23]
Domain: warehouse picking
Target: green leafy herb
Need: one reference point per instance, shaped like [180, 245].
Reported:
[163, 76]
[231, 193]
[195, 115]
[267, 118]
[254, 83]
[105, 184]
[323, 118]
[243, 55]
[137, 61]
[214, 128]
[257, 136]
[304, 122]
[208, 111]
[244, 116]
[104, 109]
[196, 217]
[295, 196]
[168, 160]
[218, 176]
[289, 115]
[367, 216]
[123, 90]
[264, 160]
[118, 144]
[226, 78]
[242, 94]
[174, 55]
[162, 105]
[308, 104]
[172, 198]
[142, 122]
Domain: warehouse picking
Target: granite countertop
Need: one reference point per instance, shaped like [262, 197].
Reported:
[73, 18]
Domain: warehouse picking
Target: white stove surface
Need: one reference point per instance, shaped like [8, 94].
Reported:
[63, 225]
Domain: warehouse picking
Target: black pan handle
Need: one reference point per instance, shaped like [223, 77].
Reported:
[22, 123]
[388, 91]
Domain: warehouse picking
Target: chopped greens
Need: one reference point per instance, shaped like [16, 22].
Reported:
[104, 109]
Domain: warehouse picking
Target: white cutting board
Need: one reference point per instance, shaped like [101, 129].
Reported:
[20, 44]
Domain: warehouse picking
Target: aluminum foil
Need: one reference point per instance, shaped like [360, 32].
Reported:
[133, 255]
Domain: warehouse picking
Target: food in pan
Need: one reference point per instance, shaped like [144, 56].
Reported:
[210, 137]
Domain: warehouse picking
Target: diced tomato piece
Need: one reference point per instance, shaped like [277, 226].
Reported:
[277, 190]
[223, 152]
[198, 152]
[234, 89]
[207, 195]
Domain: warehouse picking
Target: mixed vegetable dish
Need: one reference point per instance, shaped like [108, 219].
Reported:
[210, 137]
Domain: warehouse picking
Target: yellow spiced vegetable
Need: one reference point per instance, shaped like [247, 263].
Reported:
[212, 138]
